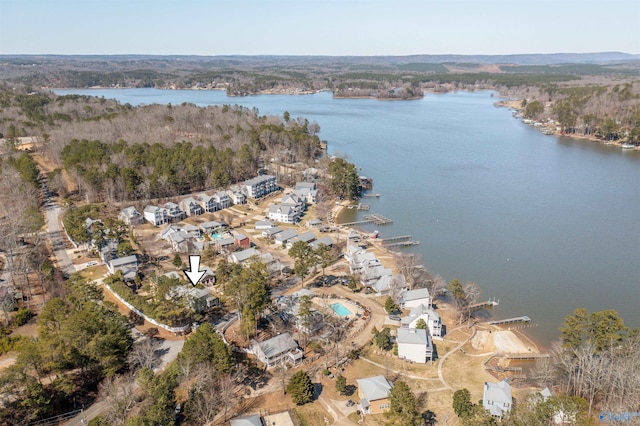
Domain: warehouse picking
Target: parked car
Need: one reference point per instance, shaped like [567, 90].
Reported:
[394, 317]
[92, 263]
[350, 403]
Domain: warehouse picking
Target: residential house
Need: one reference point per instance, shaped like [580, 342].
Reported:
[213, 227]
[374, 394]
[192, 230]
[180, 241]
[241, 241]
[209, 277]
[155, 215]
[259, 186]
[308, 191]
[108, 251]
[497, 398]
[271, 232]
[307, 237]
[281, 348]
[314, 223]
[261, 225]
[251, 420]
[222, 199]
[296, 202]
[283, 237]
[415, 345]
[128, 265]
[430, 317]
[236, 195]
[225, 244]
[197, 299]
[131, 216]
[359, 258]
[242, 256]
[388, 284]
[191, 207]
[207, 202]
[327, 241]
[173, 212]
[413, 298]
[283, 214]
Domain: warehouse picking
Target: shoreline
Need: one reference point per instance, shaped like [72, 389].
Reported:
[525, 338]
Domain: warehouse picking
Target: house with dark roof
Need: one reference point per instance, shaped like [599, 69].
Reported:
[374, 394]
[497, 398]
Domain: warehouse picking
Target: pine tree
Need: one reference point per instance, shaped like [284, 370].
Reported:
[300, 388]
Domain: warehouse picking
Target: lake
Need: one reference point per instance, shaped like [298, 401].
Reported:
[545, 224]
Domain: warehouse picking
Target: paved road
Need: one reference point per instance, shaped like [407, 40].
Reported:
[55, 235]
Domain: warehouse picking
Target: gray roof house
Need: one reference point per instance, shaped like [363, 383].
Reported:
[131, 216]
[281, 347]
[261, 225]
[207, 202]
[259, 186]
[307, 237]
[413, 298]
[327, 241]
[236, 195]
[128, 265]
[374, 394]
[155, 215]
[197, 299]
[283, 237]
[222, 199]
[191, 207]
[431, 317]
[497, 398]
[213, 227]
[243, 256]
[414, 344]
[173, 212]
[250, 420]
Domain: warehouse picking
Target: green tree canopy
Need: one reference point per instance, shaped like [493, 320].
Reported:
[206, 345]
[300, 388]
[403, 406]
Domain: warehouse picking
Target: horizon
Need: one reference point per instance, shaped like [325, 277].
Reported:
[311, 28]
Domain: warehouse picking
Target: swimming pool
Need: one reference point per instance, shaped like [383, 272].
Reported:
[339, 309]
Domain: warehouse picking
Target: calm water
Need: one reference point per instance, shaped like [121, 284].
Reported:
[545, 224]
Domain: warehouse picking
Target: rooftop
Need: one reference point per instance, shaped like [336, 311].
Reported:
[374, 388]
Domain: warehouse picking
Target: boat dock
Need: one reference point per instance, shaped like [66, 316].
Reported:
[486, 304]
[377, 195]
[510, 320]
[526, 356]
[374, 218]
[400, 241]
[363, 207]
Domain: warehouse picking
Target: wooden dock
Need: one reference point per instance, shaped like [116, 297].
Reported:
[371, 195]
[510, 320]
[400, 241]
[526, 356]
[486, 304]
[403, 244]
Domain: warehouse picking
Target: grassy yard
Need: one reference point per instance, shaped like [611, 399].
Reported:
[310, 415]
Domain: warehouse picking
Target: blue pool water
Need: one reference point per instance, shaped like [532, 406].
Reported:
[339, 309]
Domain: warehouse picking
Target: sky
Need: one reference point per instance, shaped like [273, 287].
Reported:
[318, 27]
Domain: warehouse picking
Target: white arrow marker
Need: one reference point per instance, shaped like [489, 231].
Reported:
[194, 273]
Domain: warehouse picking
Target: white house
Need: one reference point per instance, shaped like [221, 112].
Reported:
[431, 317]
[308, 191]
[283, 214]
[413, 298]
[414, 345]
[173, 212]
[222, 199]
[259, 186]
[497, 398]
[155, 215]
[131, 216]
[236, 195]
[279, 348]
[207, 202]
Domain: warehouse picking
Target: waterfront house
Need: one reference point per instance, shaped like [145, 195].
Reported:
[207, 202]
[155, 215]
[293, 200]
[414, 344]
[283, 237]
[127, 265]
[191, 207]
[388, 284]
[259, 186]
[430, 317]
[413, 298]
[131, 216]
[243, 256]
[173, 212]
[497, 398]
[281, 348]
[222, 199]
[374, 394]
